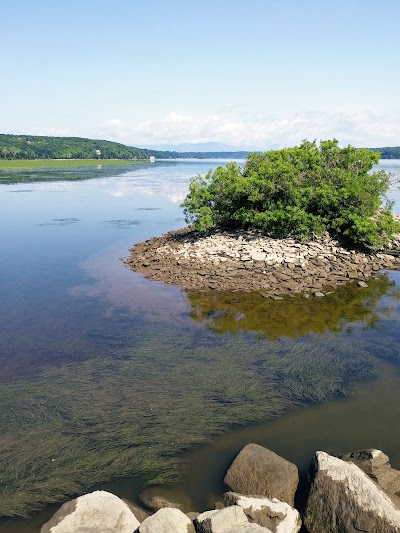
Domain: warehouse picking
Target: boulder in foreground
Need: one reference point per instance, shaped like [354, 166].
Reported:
[257, 471]
[277, 516]
[167, 520]
[344, 499]
[376, 464]
[99, 511]
[229, 520]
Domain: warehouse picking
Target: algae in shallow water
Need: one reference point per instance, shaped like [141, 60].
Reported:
[136, 410]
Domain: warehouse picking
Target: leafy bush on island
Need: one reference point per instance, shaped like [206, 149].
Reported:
[301, 192]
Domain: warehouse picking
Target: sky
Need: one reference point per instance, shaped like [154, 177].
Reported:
[254, 73]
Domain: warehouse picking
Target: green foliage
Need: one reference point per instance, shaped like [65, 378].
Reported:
[388, 152]
[43, 147]
[31, 147]
[302, 191]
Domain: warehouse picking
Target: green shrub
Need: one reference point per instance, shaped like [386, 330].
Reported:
[301, 192]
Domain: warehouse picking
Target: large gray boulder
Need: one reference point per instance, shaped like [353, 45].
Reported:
[343, 499]
[376, 464]
[229, 520]
[97, 512]
[277, 516]
[167, 520]
[257, 471]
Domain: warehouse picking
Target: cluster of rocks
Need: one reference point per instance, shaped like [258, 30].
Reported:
[357, 492]
[249, 260]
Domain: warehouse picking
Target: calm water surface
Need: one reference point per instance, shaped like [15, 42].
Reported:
[112, 381]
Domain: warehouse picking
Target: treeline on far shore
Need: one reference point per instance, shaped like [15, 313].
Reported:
[33, 147]
[388, 152]
[44, 147]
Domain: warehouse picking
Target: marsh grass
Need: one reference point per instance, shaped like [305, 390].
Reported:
[135, 411]
[34, 163]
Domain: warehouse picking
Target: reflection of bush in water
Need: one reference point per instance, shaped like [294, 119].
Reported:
[232, 312]
[133, 412]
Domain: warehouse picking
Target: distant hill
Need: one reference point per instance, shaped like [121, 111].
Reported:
[44, 147]
[388, 152]
[200, 155]
[204, 147]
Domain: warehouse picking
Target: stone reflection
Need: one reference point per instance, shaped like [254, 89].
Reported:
[235, 312]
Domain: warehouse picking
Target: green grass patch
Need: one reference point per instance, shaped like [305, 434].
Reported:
[29, 163]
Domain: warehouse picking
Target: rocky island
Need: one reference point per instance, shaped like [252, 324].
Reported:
[249, 260]
[296, 220]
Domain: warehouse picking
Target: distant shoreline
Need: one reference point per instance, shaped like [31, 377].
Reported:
[37, 163]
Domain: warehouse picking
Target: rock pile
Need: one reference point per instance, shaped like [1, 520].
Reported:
[357, 492]
[249, 260]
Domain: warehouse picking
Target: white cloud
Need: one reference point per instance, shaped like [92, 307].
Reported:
[359, 128]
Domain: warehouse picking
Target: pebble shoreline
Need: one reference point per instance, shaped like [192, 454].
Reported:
[240, 260]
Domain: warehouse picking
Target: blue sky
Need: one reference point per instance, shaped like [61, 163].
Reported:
[259, 73]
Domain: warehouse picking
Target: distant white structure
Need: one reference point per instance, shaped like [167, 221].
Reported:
[152, 159]
[98, 152]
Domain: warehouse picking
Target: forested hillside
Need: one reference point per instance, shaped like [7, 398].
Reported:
[43, 147]
[388, 152]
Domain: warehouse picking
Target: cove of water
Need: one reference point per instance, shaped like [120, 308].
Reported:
[111, 381]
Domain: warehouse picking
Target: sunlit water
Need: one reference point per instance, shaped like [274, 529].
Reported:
[105, 374]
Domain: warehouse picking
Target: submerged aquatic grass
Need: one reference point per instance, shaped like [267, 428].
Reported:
[135, 411]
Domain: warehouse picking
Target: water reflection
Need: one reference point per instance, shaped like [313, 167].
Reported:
[112, 375]
[233, 313]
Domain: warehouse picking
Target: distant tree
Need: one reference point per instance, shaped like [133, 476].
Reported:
[388, 152]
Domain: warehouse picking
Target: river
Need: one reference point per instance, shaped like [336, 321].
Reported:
[109, 380]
